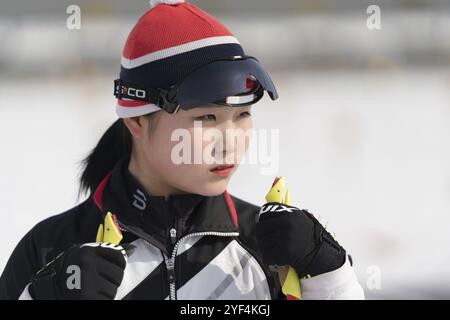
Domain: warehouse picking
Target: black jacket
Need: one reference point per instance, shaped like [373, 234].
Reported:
[212, 254]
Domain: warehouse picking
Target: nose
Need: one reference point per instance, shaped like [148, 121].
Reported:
[226, 147]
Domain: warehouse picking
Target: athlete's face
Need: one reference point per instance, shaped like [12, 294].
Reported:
[181, 152]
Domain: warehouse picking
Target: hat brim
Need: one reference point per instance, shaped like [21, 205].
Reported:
[223, 79]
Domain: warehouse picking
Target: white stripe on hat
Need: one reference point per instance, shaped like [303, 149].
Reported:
[128, 112]
[168, 52]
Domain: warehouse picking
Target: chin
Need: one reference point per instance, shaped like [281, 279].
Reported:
[213, 188]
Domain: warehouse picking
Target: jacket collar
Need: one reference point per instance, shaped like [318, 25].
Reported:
[121, 194]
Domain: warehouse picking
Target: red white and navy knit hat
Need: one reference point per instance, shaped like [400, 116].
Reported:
[168, 42]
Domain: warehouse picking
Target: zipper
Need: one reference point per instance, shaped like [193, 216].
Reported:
[173, 235]
[170, 262]
[141, 235]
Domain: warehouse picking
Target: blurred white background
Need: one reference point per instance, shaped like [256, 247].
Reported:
[364, 120]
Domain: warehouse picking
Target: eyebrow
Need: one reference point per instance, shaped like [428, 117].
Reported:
[214, 105]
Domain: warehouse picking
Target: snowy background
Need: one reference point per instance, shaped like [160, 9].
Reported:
[364, 120]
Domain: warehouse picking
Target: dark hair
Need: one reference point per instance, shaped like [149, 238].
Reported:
[113, 145]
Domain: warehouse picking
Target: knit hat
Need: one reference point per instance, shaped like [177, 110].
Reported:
[169, 42]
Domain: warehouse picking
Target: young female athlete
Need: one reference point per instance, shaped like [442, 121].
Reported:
[156, 227]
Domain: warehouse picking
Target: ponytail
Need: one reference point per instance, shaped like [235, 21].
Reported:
[113, 145]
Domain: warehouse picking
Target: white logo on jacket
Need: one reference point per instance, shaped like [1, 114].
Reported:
[140, 200]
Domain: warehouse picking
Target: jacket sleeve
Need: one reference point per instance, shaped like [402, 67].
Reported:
[340, 284]
[21, 266]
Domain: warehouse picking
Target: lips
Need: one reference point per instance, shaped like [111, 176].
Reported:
[223, 170]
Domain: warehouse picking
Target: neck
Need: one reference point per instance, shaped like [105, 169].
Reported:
[150, 182]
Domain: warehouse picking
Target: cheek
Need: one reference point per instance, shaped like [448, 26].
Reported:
[173, 158]
[248, 127]
[242, 139]
[157, 147]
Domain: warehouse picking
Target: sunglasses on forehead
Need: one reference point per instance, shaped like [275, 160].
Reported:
[234, 81]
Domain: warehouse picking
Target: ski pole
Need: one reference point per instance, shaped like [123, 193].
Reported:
[288, 276]
[109, 232]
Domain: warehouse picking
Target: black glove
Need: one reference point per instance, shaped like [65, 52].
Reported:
[87, 271]
[290, 236]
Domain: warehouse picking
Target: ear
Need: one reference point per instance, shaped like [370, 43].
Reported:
[135, 125]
